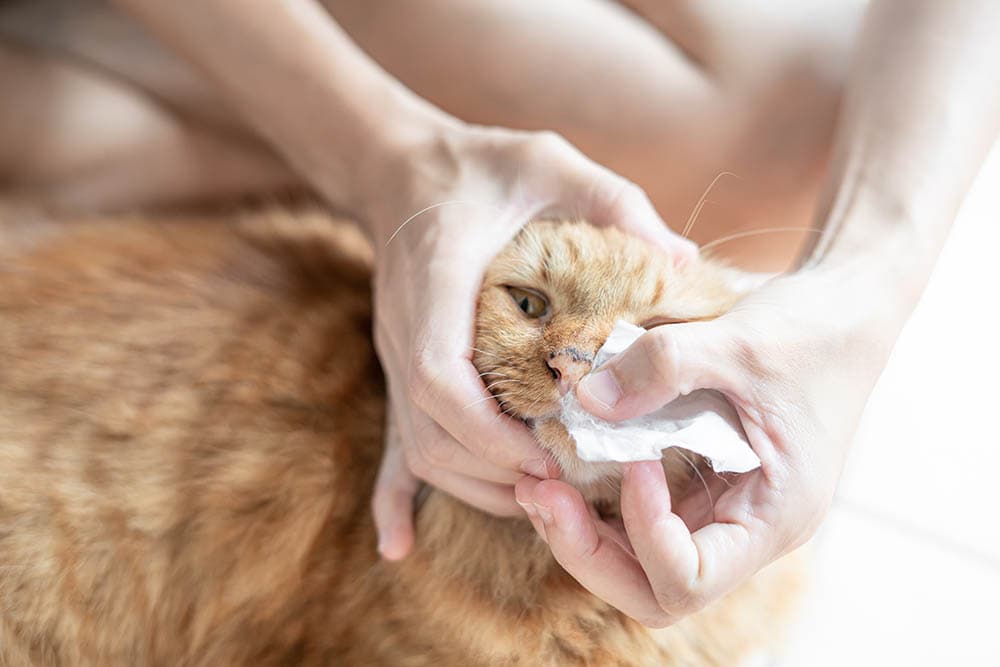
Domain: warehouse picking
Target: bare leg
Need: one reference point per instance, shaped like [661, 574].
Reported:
[77, 136]
[669, 95]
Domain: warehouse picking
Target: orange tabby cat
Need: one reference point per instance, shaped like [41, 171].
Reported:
[191, 418]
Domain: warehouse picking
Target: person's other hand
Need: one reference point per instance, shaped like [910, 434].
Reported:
[798, 360]
[438, 221]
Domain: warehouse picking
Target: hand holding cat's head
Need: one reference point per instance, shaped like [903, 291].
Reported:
[551, 298]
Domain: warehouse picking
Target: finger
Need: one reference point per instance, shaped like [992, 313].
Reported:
[626, 206]
[686, 571]
[661, 365]
[529, 508]
[429, 447]
[696, 506]
[495, 499]
[392, 503]
[610, 199]
[591, 556]
[446, 386]
[451, 394]
[436, 449]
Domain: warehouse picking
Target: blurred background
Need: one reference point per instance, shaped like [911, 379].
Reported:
[907, 565]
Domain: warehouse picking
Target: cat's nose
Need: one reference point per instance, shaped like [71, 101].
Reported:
[568, 366]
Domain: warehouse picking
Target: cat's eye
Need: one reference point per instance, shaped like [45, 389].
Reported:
[660, 321]
[531, 303]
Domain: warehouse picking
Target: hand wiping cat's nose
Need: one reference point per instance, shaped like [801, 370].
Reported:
[664, 363]
[568, 367]
[451, 432]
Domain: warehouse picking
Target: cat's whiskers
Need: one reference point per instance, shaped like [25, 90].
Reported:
[497, 397]
[494, 384]
[507, 411]
[696, 211]
[434, 206]
[499, 382]
[533, 404]
[489, 354]
[708, 492]
[722, 477]
[612, 486]
[757, 232]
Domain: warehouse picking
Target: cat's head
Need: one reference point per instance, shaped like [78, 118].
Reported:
[549, 301]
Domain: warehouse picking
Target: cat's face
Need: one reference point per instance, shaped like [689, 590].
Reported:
[549, 301]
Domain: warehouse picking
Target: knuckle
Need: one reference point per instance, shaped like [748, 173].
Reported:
[757, 354]
[550, 140]
[422, 380]
[683, 602]
[545, 145]
[660, 351]
[436, 452]
[418, 465]
[631, 196]
[694, 601]
[749, 354]
[625, 199]
[657, 620]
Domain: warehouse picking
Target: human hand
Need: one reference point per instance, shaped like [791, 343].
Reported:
[437, 222]
[797, 358]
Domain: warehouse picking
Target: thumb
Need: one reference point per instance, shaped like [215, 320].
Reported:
[625, 205]
[392, 502]
[662, 364]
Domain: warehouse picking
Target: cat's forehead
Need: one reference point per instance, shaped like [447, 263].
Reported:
[583, 266]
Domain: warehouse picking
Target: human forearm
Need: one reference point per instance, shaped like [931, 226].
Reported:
[294, 74]
[921, 111]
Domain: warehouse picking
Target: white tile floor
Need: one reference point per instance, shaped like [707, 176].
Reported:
[907, 568]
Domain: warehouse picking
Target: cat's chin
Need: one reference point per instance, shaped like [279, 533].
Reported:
[597, 481]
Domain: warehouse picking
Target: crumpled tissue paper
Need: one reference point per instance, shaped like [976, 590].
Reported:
[703, 421]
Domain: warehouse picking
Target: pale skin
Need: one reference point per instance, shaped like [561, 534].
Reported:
[798, 357]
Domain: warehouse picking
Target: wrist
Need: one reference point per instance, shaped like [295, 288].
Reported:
[880, 251]
[428, 163]
[358, 175]
[866, 298]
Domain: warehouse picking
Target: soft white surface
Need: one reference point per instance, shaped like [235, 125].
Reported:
[908, 563]
[702, 421]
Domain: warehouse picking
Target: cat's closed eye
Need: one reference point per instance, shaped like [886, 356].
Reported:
[532, 303]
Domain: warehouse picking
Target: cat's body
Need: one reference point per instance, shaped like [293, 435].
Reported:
[191, 418]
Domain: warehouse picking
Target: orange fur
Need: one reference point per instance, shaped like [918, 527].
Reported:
[191, 418]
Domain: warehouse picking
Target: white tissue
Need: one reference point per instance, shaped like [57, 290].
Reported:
[702, 421]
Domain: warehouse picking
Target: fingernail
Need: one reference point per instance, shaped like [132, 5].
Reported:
[535, 468]
[603, 388]
[528, 508]
[544, 513]
[380, 547]
[538, 522]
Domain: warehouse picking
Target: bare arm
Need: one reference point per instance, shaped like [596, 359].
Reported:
[297, 77]
[384, 155]
[922, 111]
[799, 357]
